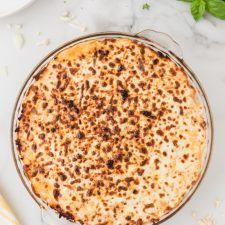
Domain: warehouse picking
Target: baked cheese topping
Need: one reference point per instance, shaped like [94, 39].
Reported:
[111, 133]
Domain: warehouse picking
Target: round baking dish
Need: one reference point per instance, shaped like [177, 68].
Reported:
[157, 41]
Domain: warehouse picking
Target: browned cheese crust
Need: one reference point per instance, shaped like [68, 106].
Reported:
[112, 133]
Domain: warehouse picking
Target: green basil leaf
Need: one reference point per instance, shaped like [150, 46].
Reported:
[146, 6]
[216, 8]
[198, 9]
[186, 0]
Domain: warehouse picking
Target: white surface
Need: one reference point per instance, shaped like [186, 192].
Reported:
[8, 7]
[203, 46]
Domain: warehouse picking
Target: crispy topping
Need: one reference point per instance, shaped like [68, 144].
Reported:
[124, 94]
[120, 68]
[160, 132]
[161, 55]
[80, 135]
[56, 194]
[41, 136]
[146, 113]
[62, 176]
[155, 61]
[111, 133]
[110, 164]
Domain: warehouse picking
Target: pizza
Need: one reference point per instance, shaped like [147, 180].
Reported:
[111, 132]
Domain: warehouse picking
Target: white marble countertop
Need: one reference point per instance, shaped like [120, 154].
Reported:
[203, 45]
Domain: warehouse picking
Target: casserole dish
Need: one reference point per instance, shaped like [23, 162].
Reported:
[160, 43]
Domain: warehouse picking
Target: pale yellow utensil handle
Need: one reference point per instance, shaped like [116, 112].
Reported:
[6, 215]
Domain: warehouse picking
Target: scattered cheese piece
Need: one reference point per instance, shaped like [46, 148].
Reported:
[45, 42]
[77, 25]
[208, 220]
[18, 26]
[66, 13]
[18, 40]
[67, 17]
[217, 203]
[194, 215]
[4, 70]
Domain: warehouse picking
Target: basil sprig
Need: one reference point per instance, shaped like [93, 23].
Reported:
[198, 9]
[214, 7]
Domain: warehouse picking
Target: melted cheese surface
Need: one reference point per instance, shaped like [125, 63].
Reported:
[112, 133]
